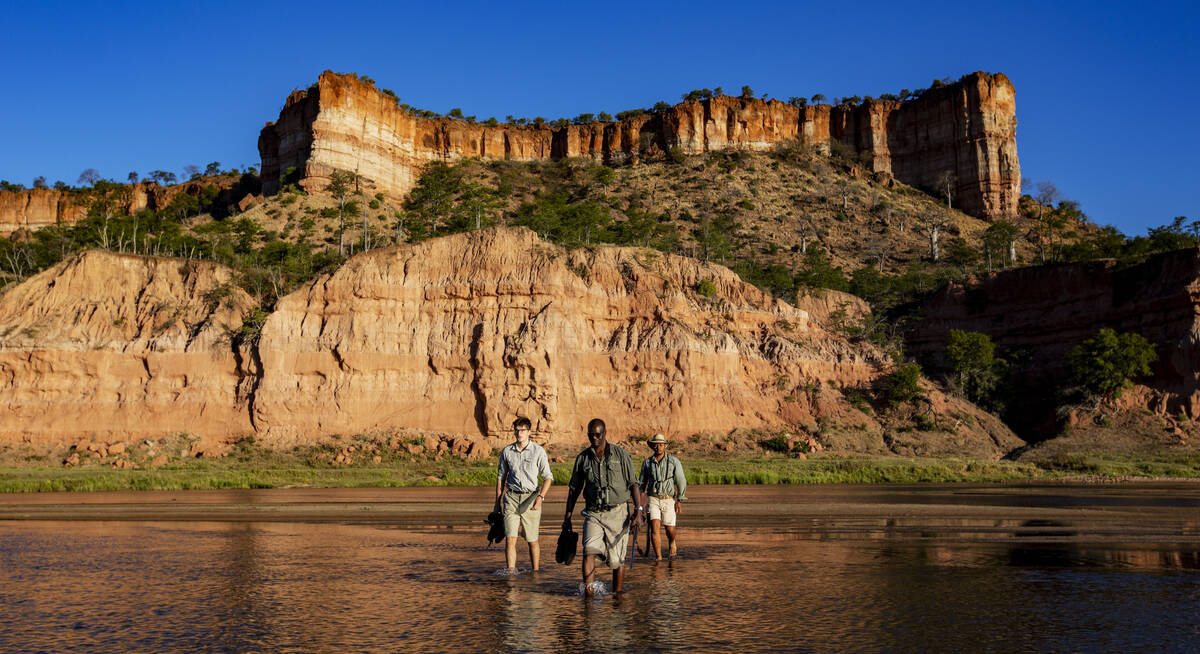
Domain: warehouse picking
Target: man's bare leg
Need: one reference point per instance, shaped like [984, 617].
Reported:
[535, 554]
[671, 539]
[510, 554]
[589, 574]
[618, 579]
[655, 538]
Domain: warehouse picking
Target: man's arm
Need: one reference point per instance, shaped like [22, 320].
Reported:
[680, 481]
[635, 490]
[500, 472]
[638, 500]
[547, 479]
[574, 488]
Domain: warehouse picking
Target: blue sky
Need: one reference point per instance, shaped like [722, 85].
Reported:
[1107, 92]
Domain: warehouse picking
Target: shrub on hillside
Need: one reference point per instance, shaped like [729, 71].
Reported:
[1107, 363]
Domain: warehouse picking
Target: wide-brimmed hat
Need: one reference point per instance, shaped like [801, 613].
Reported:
[658, 438]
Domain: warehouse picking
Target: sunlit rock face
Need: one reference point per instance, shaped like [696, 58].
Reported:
[456, 336]
[967, 128]
[121, 346]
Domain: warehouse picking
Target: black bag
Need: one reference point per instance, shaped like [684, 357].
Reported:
[568, 545]
[496, 533]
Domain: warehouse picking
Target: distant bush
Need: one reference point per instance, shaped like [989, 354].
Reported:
[1107, 363]
[902, 385]
[776, 443]
[706, 288]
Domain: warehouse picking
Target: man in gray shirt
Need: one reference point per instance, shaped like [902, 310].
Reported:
[518, 495]
[604, 474]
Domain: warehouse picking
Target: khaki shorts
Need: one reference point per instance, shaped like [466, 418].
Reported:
[514, 522]
[662, 508]
[596, 524]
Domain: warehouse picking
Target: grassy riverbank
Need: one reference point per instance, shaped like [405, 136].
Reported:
[234, 472]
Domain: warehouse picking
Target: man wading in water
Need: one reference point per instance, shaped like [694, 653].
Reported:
[604, 474]
[665, 486]
[516, 484]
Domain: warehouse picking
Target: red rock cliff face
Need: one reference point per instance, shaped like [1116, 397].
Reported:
[968, 128]
[121, 346]
[1048, 310]
[462, 333]
[455, 335]
[36, 208]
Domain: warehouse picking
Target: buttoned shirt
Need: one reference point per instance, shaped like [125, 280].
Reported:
[660, 478]
[605, 483]
[520, 468]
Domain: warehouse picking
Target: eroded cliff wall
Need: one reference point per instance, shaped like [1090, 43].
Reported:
[33, 209]
[463, 333]
[124, 346]
[456, 335]
[1047, 310]
[967, 128]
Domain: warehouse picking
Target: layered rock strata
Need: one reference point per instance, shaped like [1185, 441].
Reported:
[1045, 311]
[967, 128]
[462, 334]
[36, 208]
[454, 336]
[121, 346]
[33, 209]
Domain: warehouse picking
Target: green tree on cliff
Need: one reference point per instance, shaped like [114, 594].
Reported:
[817, 98]
[341, 184]
[975, 369]
[1000, 241]
[1107, 363]
[747, 92]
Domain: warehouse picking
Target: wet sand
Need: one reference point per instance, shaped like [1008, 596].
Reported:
[1127, 512]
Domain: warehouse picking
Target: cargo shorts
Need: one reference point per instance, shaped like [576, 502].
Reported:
[529, 521]
[662, 508]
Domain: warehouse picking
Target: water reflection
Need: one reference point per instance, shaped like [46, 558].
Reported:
[961, 582]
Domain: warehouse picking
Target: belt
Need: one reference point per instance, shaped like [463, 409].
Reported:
[602, 509]
[664, 497]
[519, 492]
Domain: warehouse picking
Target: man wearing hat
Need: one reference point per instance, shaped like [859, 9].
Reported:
[518, 495]
[665, 488]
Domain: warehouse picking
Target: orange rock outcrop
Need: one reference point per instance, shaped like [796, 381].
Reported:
[121, 346]
[455, 336]
[967, 128]
[462, 334]
[33, 209]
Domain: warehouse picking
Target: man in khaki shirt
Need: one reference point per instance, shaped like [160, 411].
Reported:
[521, 463]
[665, 488]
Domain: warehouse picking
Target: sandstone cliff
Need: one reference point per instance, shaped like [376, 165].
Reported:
[968, 128]
[455, 335]
[463, 333]
[1047, 310]
[35, 208]
[121, 346]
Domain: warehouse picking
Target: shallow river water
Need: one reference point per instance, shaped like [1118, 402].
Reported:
[865, 569]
